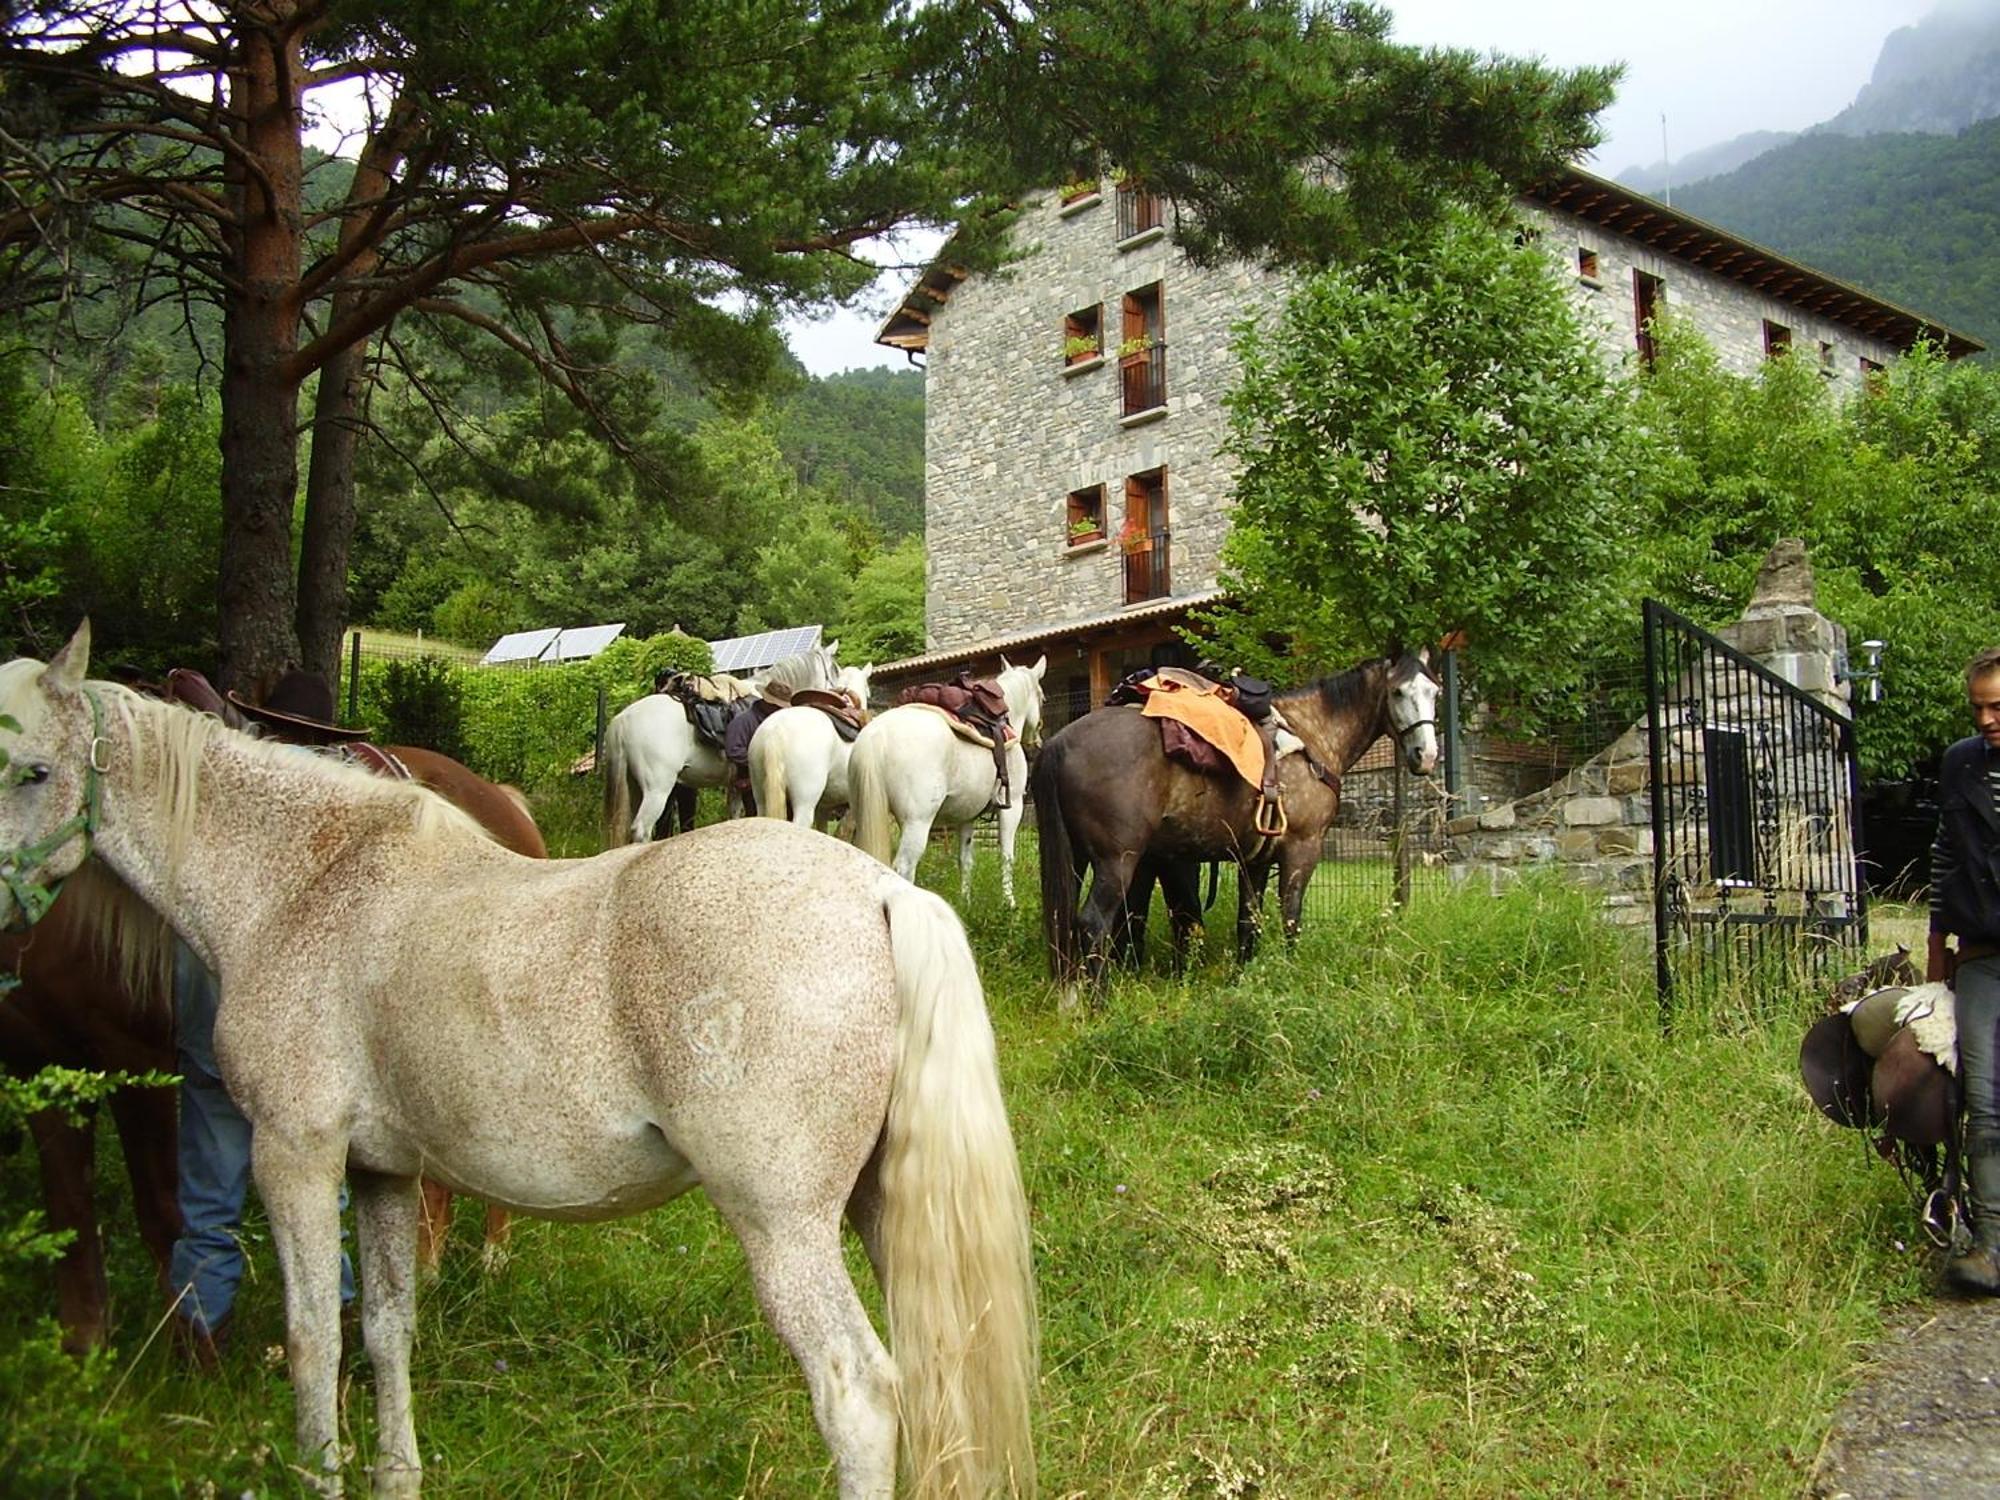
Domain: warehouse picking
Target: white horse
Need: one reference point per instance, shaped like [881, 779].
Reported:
[578, 1039]
[650, 747]
[798, 761]
[910, 764]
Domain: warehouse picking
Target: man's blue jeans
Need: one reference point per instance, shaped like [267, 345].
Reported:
[207, 1263]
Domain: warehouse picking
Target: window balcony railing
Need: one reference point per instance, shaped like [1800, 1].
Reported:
[1146, 575]
[1142, 379]
[1139, 211]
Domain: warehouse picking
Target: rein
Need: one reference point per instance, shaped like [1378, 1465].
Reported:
[34, 898]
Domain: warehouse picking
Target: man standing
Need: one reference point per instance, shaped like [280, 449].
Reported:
[1965, 902]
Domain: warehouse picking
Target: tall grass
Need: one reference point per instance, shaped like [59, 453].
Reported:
[1429, 1206]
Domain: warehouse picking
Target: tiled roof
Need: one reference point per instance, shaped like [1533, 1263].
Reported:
[1020, 640]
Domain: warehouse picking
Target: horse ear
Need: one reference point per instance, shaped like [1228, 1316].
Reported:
[832, 650]
[1004, 663]
[66, 669]
[1041, 666]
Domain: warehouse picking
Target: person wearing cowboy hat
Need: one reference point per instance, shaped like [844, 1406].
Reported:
[1965, 903]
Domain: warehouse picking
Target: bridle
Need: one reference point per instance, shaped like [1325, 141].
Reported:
[34, 898]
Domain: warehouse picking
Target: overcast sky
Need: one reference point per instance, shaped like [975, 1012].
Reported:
[1714, 68]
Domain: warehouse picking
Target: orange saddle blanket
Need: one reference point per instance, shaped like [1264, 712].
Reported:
[1198, 707]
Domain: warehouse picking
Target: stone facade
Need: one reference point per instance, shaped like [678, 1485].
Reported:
[1011, 430]
[1729, 315]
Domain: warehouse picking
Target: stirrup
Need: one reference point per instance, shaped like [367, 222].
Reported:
[1270, 820]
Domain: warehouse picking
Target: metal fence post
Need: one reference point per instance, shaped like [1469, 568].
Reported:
[1401, 843]
[354, 678]
[597, 753]
[1454, 738]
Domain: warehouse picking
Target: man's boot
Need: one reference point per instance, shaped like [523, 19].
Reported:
[1977, 1272]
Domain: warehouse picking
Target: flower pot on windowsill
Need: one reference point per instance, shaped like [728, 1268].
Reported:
[1086, 536]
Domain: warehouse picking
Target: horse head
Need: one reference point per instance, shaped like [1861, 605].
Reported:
[853, 681]
[51, 766]
[1021, 686]
[1414, 690]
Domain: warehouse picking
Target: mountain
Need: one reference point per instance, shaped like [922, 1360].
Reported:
[1936, 77]
[1709, 161]
[1911, 218]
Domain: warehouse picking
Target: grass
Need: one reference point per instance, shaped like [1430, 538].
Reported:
[1429, 1207]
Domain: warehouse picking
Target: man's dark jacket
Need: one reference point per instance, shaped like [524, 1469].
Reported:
[1969, 827]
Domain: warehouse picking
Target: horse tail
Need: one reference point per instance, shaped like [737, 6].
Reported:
[617, 789]
[868, 799]
[768, 752]
[1059, 883]
[959, 1284]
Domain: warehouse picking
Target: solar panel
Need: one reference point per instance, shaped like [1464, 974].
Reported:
[746, 653]
[584, 640]
[520, 645]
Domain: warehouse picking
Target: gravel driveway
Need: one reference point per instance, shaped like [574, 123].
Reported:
[1925, 1421]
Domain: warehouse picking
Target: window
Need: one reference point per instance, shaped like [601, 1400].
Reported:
[1139, 212]
[1777, 339]
[1826, 358]
[1143, 538]
[1586, 265]
[1142, 351]
[1083, 335]
[1083, 517]
[1648, 293]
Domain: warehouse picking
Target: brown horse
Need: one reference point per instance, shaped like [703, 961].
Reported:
[1108, 798]
[75, 1008]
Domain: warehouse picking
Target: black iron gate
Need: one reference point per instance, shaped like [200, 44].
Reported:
[1756, 876]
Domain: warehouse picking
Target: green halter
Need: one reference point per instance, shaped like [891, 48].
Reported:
[16, 866]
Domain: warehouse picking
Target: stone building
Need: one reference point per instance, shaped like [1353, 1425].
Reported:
[1075, 500]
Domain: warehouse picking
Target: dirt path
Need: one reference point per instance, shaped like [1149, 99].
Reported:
[1925, 1422]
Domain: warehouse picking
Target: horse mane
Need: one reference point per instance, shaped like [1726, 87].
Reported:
[133, 941]
[168, 743]
[1337, 691]
[805, 670]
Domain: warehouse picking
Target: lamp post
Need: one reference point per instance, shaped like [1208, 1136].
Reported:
[1871, 673]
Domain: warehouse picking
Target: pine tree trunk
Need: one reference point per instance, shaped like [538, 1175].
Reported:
[328, 533]
[260, 390]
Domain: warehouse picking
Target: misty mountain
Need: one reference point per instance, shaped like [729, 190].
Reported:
[1936, 78]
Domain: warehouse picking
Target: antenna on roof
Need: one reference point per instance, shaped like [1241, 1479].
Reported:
[1666, 163]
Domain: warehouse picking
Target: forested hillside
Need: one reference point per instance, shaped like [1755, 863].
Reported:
[1911, 218]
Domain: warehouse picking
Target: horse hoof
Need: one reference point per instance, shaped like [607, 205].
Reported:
[493, 1258]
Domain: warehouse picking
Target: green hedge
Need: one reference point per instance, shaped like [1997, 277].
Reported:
[522, 725]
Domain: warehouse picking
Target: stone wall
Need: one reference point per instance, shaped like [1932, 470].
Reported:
[1010, 431]
[1595, 825]
[1729, 314]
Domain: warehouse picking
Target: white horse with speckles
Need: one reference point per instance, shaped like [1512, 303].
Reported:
[572, 1038]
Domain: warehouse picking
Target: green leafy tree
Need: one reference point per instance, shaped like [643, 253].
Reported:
[801, 576]
[1895, 491]
[1429, 443]
[661, 161]
[885, 608]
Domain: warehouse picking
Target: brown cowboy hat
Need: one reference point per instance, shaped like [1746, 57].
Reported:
[298, 707]
[1837, 1072]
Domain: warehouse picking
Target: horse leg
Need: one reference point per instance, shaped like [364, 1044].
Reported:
[1129, 940]
[910, 847]
[808, 786]
[1110, 878]
[646, 819]
[1250, 882]
[386, 1212]
[493, 1251]
[802, 1284]
[433, 1227]
[1180, 884]
[68, 1158]
[684, 803]
[299, 1181]
[147, 1131]
[1296, 862]
[965, 852]
[1010, 825]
